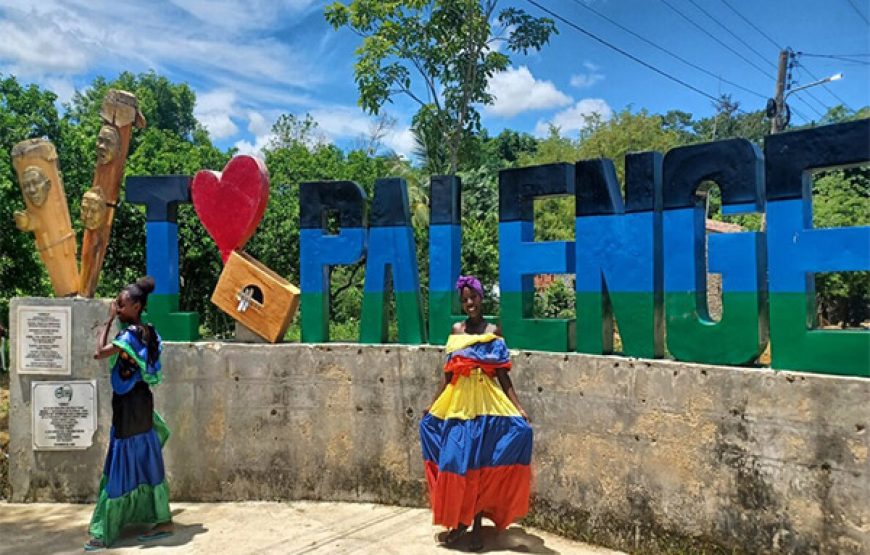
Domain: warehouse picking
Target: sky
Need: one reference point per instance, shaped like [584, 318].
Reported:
[249, 61]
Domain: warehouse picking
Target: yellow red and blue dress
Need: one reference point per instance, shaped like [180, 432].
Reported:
[477, 448]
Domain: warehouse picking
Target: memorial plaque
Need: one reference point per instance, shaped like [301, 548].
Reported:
[64, 415]
[44, 340]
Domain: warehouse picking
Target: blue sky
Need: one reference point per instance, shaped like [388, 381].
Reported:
[250, 61]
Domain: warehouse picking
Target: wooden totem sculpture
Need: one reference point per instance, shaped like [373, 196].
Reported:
[120, 111]
[47, 214]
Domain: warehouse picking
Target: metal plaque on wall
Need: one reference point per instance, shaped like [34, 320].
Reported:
[44, 340]
[64, 415]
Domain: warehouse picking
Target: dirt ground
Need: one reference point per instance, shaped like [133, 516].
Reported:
[295, 528]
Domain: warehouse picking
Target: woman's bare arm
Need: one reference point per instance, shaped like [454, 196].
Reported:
[104, 346]
[507, 385]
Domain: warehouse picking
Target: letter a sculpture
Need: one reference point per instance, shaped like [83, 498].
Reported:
[120, 111]
[47, 215]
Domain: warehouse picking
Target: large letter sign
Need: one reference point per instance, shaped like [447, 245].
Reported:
[640, 263]
[319, 251]
[445, 255]
[161, 196]
[736, 166]
[619, 262]
[392, 263]
[521, 257]
[797, 251]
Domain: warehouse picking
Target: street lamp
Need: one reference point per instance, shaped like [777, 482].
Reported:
[834, 77]
[780, 113]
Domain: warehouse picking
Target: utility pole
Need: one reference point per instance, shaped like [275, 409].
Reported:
[776, 123]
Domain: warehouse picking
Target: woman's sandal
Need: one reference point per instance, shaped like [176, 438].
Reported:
[94, 544]
[476, 544]
[154, 535]
[452, 536]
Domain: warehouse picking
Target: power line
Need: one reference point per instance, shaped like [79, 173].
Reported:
[760, 55]
[666, 51]
[810, 106]
[742, 57]
[709, 34]
[776, 44]
[730, 32]
[800, 115]
[795, 66]
[623, 52]
[859, 12]
[846, 59]
[865, 55]
[812, 75]
[809, 93]
[751, 24]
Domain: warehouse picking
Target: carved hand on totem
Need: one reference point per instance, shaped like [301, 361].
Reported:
[22, 220]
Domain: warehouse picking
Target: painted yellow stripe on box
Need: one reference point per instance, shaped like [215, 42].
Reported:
[473, 396]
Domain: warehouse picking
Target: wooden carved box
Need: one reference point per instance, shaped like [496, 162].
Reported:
[256, 296]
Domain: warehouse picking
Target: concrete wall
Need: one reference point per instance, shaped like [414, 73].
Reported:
[640, 455]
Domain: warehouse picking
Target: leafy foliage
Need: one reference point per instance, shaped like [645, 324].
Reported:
[175, 143]
[450, 47]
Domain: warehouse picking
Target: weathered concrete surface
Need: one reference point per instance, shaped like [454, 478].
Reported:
[268, 529]
[638, 455]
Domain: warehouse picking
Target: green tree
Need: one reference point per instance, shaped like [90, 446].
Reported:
[842, 199]
[290, 130]
[730, 122]
[25, 112]
[449, 46]
[172, 143]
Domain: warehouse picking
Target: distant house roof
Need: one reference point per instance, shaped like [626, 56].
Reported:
[715, 226]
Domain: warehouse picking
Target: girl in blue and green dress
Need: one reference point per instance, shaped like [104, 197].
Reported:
[133, 487]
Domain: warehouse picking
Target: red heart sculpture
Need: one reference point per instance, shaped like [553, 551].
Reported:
[231, 203]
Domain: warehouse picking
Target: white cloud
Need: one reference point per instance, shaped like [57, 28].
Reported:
[341, 121]
[54, 39]
[32, 43]
[576, 117]
[244, 78]
[258, 125]
[215, 110]
[516, 90]
[588, 79]
[349, 122]
[242, 15]
[255, 148]
[401, 141]
[62, 87]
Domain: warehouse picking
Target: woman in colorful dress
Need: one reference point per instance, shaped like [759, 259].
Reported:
[133, 487]
[477, 442]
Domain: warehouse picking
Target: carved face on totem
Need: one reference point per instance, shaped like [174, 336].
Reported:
[93, 208]
[35, 185]
[108, 144]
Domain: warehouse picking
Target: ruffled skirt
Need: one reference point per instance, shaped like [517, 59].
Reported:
[133, 487]
[477, 451]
